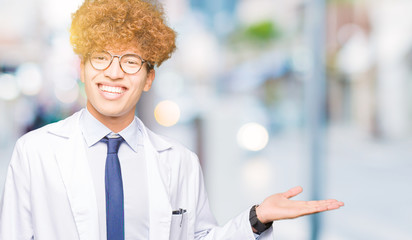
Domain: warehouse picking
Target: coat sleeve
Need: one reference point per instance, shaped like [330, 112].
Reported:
[206, 228]
[15, 211]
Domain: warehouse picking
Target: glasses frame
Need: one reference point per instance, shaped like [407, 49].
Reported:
[120, 61]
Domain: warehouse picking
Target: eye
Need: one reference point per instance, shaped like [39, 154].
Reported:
[100, 57]
[131, 60]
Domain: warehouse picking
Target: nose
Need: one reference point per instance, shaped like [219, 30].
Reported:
[114, 71]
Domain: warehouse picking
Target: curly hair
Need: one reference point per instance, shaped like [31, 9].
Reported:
[122, 24]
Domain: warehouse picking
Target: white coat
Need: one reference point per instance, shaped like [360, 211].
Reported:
[49, 193]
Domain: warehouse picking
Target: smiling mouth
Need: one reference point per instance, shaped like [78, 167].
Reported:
[110, 89]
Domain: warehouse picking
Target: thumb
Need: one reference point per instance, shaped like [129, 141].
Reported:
[293, 192]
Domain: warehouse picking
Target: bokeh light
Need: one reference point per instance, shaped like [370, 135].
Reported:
[167, 113]
[68, 95]
[256, 174]
[253, 136]
[9, 89]
[29, 79]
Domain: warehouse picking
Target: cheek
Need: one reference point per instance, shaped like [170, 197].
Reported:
[139, 84]
[88, 81]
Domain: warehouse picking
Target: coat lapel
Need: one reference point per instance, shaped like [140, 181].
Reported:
[160, 210]
[75, 172]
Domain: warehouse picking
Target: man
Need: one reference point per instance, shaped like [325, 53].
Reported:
[101, 174]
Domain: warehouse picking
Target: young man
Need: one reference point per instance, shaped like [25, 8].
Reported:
[101, 174]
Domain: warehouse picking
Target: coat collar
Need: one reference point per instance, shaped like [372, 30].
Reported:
[66, 128]
[158, 142]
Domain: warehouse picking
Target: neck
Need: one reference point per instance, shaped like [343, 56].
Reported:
[114, 123]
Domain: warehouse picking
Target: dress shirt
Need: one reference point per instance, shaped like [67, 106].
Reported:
[133, 167]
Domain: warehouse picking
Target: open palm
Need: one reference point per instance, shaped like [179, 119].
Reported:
[279, 206]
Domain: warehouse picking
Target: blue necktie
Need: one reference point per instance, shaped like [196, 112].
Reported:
[114, 191]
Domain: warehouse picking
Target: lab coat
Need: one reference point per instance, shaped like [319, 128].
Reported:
[49, 193]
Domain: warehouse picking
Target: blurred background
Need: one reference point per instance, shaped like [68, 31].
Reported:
[270, 94]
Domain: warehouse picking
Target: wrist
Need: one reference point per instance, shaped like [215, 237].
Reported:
[260, 215]
[257, 226]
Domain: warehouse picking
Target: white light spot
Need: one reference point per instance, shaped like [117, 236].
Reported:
[9, 89]
[257, 174]
[253, 137]
[29, 79]
[67, 95]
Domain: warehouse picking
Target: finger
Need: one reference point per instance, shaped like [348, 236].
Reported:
[335, 206]
[333, 202]
[329, 207]
[292, 192]
[322, 202]
[325, 206]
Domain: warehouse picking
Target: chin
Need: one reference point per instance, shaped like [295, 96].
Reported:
[113, 114]
[110, 109]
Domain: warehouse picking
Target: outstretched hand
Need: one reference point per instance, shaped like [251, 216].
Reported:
[279, 206]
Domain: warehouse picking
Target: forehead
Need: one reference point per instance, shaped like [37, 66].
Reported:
[122, 49]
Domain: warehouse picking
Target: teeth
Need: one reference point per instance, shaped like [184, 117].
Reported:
[110, 89]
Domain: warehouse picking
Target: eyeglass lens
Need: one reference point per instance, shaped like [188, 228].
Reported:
[130, 63]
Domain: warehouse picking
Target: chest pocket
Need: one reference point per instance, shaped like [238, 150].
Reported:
[178, 228]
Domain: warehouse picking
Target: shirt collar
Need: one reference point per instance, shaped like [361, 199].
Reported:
[93, 131]
[133, 135]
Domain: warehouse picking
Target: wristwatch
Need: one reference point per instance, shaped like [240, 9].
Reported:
[256, 224]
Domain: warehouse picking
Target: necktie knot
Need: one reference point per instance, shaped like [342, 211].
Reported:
[113, 144]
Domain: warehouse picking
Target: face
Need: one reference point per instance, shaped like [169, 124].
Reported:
[112, 95]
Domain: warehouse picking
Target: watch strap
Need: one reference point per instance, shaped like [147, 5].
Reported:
[255, 223]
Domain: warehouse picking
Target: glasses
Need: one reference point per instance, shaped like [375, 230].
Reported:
[129, 63]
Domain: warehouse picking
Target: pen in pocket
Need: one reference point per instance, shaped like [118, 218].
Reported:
[180, 211]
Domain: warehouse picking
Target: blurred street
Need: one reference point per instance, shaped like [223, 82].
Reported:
[373, 179]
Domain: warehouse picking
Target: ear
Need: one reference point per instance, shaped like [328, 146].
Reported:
[149, 80]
